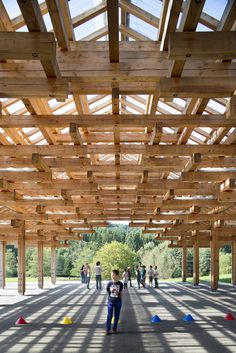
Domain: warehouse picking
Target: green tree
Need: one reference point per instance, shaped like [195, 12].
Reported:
[115, 256]
[225, 263]
[204, 261]
[11, 263]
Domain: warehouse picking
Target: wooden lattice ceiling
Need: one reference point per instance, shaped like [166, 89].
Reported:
[117, 126]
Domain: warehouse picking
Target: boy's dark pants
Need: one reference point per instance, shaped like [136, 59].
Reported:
[113, 306]
[99, 281]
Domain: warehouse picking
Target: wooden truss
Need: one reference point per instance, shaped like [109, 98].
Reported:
[120, 129]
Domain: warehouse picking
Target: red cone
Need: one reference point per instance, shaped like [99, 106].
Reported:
[21, 321]
[229, 316]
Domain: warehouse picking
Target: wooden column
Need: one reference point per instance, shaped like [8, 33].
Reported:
[214, 260]
[196, 260]
[21, 261]
[184, 261]
[2, 264]
[234, 263]
[53, 264]
[40, 264]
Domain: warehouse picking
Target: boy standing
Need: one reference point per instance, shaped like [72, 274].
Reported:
[114, 289]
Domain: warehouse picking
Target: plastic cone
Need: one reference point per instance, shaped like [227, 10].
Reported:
[66, 321]
[188, 318]
[21, 321]
[229, 316]
[113, 320]
[156, 318]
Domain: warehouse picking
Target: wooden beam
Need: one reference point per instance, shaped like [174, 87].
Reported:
[214, 260]
[53, 264]
[233, 252]
[89, 14]
[21, 261]
[55, 12]
[123, 120]
[211, 87]
[202, 45]
[2, 264]
[75, 134]
[40, 264]
[156, 150]
[113, 29]
[31, 46]
[207, 176]
[191, 14]
[196, 259]
[139, 13]
[39, 163]
[65, 11]
[184, 261]
[29, 88]
[171, 19]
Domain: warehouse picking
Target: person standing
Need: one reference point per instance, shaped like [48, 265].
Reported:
[129, 276]
[150, 275]
[114, 303]
[156, 274]
[138, 276]
[98, 275]
[125, 278]
[85, 272]
[82, 274]
[143, 275]
[88, 276]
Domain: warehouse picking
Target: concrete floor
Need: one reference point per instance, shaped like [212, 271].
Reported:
[44, 309]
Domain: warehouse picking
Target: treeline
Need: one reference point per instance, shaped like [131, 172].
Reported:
[116, 247]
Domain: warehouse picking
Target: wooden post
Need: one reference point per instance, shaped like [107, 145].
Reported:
[53, 264]
[214, 260]
[234, 263]
[196, 261]
[184, 261]
[40, 264]
[2, 264]
[21, 261]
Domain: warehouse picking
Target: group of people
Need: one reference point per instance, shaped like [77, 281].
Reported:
[142, 273]
[85, 274]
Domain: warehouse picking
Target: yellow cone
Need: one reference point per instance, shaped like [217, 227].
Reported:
[66, 321]
[113, 320]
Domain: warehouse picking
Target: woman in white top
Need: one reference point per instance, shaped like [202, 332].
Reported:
[156, 276]
[98, 275]
[150, 275]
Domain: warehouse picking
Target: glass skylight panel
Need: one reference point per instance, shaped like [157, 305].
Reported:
[12, 8]
[16, 106]
[65, 109]
[78, 7]
[152, 6]
[142, 27]
[198, 136]
[218, 107]
[202, 28]
[89, 27]
[215, 8]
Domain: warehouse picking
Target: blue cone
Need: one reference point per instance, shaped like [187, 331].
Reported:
[156, 318]
[188, 318]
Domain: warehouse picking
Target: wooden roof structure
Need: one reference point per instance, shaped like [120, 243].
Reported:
[129, 123]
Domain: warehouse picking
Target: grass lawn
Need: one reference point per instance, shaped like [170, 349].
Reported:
[46, 279]
[223, 278]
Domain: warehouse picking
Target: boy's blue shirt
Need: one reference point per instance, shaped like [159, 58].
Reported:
[114, 290]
